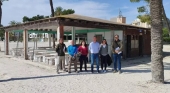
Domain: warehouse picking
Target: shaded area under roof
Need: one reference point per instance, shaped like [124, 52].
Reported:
[65, 32]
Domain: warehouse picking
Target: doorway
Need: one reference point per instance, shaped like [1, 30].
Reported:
[140, 45]
[128, 47]
[99, 38]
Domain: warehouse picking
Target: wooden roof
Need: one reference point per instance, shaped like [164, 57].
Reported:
[72, 20]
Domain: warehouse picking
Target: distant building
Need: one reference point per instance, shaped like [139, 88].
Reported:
[120, 19]
[137, 22]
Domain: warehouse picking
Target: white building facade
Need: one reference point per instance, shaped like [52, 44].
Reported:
[137, 22]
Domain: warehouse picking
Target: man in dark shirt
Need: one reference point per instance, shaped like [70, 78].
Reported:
[61, 49]
[117, 47]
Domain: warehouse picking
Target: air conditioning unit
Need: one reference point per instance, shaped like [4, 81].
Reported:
[30, 36]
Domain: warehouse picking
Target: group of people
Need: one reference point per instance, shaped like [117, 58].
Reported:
[97, 52]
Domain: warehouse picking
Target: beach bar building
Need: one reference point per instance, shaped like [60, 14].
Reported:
[136, 40]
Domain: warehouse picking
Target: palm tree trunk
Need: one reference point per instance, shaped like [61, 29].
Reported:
[52, 14]
[0, 12]
[165, 19]
[157, 67]
[52, 8]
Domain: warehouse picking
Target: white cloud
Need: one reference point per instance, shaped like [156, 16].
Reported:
[16, 9]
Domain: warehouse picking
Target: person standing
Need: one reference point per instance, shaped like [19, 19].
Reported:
[104, 54]
[117, 47]
[72, 51]
[94, 48]
[61, 49]
[83, 50]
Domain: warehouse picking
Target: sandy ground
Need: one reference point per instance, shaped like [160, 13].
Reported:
[20, 76]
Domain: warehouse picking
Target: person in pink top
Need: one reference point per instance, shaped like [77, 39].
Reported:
[83, 50]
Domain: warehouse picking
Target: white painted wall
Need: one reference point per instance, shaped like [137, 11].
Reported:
[109, 36]
[120, 33]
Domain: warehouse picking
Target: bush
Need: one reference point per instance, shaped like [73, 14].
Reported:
[165, 32]
[166, 39]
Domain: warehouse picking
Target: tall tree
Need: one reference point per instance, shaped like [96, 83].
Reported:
[1, 1]
[52, 8]
[34, 18]
[2, 31]
[60, 11]
[157, 67]
[25, 19]
[68, 11]
[13, 34]
[52, 14]
[14, 23]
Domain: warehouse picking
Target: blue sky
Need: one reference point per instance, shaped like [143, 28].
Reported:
[104, 9]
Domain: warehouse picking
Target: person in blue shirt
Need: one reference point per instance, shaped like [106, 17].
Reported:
[72, 51]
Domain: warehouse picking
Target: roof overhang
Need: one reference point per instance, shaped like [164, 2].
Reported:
[72, 20]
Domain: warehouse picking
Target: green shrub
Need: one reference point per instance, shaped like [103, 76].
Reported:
[165, 32]
[166, 39]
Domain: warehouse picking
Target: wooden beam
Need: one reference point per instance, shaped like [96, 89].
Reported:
[60, 32]
[40, 29]
[25, 41]
[89, 25]
[82, 21]
[49, 39]
[73, 34]
[124, 43]
[32, 26]
[96, 23]
[77, 21]
[50, 30]
[6, 43]
[35, 29]
[67, 20]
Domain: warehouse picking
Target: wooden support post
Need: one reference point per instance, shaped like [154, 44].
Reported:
[67, 37]
[124, 43]
[49, 39]
[36, 41]
[6, 43]
[60, 32]
[73, 35]
[78, 40]
[25, 41]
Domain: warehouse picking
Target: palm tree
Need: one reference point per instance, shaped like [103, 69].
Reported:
[52, 8]
[52, 14]
[14, 23]
[58, 11]
[1, 9]
[157, 67]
